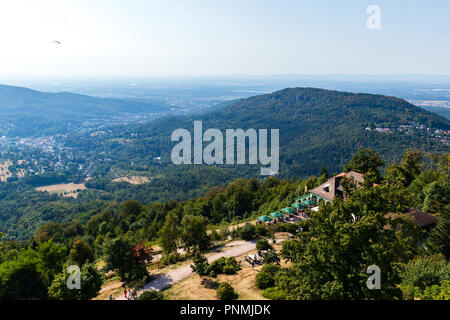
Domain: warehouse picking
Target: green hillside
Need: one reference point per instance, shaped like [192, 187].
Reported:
[317, 128]
[29, 112]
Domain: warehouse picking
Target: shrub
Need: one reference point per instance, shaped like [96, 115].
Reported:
[220, 266]
[229, 269]
[436, 292]
[247, 232]
[286, 227]
[423, 272]
[271, 257]
[171, 258]
[151, 295]
[263, 244]
[215, 235]
[266, 277]
[223, 265]
[210, 284]
[225, 291]
[274, 294]
[200, 265]
[261, 230]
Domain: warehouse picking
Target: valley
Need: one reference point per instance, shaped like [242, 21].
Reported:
[293, 152]
[115, 186]
[318, 128]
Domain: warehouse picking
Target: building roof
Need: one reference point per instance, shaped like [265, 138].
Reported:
[333, 186]
[422, 219]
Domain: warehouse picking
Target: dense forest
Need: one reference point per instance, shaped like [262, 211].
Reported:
[318, 128]
[335, 246]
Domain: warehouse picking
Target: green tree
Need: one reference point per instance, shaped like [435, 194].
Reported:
[271, 257]
[91, 281]
[115, 253]
[334, 254]
[20, 279]
[194, 235]
[246, 232]
[131, 208]
[365, 161]
[200, 265]
[214, 235]
[437, 292]
[51, 257]
[290, 250]
[81, 252]
[263, 244]
[436, 197]
[266, 277]
[170, 234]
[439, 240]
[412, 164]
[119, 258]
[324, 172]
[423, 272]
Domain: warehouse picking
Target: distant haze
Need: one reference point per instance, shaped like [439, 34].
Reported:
[141, 38]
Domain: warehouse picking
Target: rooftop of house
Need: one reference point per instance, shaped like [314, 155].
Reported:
[422, 219]
[333, 186]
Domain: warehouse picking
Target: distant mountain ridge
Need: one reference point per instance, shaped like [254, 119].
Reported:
[32, 111]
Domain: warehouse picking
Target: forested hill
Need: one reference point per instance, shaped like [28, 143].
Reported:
[29, 112]
[317, 128]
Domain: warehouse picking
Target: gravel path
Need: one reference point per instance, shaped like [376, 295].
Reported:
[231, 249]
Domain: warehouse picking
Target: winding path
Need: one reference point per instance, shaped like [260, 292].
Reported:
[231, 249]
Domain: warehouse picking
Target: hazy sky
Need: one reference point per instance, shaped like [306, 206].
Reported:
[143, 38]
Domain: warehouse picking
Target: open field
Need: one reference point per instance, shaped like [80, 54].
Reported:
[133, 180]
[66, 190]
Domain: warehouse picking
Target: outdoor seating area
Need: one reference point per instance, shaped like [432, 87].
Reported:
[257, 258]
[254, 259]
[291, 214]
[306, 201]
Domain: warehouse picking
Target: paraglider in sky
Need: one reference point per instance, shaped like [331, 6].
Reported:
[56, 43]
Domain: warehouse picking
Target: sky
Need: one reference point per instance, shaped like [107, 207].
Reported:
[149, 38]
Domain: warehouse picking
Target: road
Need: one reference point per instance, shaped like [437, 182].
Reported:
[232, 249]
